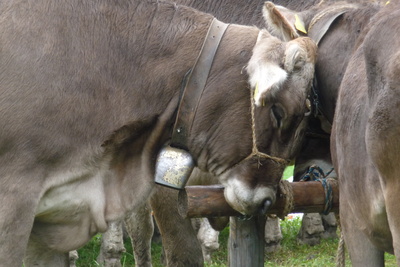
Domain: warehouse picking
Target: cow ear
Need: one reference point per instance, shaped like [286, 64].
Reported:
[293, 57]
[298, 52]
[267, 78]
[282, 22]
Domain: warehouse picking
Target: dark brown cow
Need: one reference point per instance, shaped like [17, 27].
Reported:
[89, 93]
[366, 143]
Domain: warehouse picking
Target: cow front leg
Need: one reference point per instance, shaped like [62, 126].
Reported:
[207, 236]
[273, 234]
[330, 225]
[179, 239]
[311, 229]
[362, 252]
[140, 227]
[73, 257]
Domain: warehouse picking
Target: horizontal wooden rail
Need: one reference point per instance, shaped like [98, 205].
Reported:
[209, 201]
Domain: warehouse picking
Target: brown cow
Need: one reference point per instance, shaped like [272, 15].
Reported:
[329, 74]
[164, 200]
[364, 136]
[365, 143]
[89, 93]
[335, 46]
[336, 28]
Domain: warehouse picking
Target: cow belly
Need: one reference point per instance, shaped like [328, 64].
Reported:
[70, 214]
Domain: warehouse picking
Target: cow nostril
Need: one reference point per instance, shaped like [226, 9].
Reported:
[265, 206]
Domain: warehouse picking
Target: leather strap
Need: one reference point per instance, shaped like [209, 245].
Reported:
[325, 19]
[195, 85]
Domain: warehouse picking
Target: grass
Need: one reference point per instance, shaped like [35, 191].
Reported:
[290, 255]
[293, 254]
[288, 172]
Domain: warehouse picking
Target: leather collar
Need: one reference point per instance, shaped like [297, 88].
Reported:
[195, 84]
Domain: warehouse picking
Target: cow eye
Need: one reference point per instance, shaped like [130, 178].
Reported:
[308, 108]
[277, 115]
[299, 64]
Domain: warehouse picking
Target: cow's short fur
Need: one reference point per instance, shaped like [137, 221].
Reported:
[365, 143]
[89, 93]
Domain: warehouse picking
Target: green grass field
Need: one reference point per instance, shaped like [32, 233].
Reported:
[290, 255]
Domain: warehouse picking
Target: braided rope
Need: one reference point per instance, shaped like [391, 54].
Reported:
[341, 251]
[315, 173]
[331, 182]
[255, 151]
[340, 255]
[286, 191]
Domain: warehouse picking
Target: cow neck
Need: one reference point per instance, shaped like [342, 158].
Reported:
[317, 28]
[195, 84]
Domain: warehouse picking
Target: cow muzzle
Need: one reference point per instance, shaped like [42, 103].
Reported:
[249, 201]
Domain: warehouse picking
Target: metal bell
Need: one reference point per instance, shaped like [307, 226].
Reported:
[173, 167]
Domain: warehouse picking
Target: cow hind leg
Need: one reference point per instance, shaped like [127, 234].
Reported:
[112, 246]
[38, 254]
[393, 212]
[362, 252]
[140, 228]
[207, 236]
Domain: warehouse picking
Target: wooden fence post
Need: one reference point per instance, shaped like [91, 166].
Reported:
[246, 237]
[246, 242]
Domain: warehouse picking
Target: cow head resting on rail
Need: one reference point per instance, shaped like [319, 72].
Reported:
[90, 98]
[276, 71]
